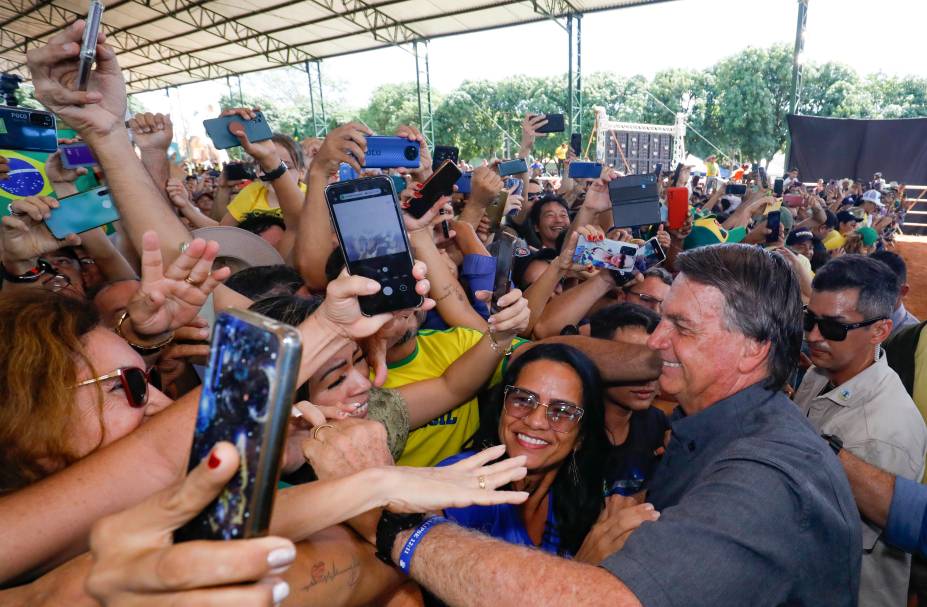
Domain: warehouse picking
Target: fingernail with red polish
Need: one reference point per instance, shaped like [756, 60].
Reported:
[418, 186]
[417, 195]
[213, 461]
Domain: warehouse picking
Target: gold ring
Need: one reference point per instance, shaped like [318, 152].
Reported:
[188, 280]
[482, 481]
[315, 431]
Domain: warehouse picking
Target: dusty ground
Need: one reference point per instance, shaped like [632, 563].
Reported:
[914, 251]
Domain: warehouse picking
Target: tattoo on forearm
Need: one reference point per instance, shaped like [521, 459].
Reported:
[323, 573]
[446, 292]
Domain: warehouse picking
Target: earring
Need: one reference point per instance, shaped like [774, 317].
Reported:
[574, 470]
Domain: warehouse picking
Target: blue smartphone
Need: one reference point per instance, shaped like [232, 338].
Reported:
[27, 130]
[246, 400]
[75, 155]
[82, 212]
[391, 153]
[464, 184]
[507, 168]
[399, 183]
[513, 181]
[218, 130]
[346, 172]
[585, 170]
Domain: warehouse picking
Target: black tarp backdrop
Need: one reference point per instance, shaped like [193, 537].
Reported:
[833, 148]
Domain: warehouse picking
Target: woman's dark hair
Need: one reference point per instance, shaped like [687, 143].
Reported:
[578, 487]
[606, 321]
[295, 150]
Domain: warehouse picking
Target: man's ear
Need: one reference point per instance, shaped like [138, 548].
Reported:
[753, 354]
[880, 331]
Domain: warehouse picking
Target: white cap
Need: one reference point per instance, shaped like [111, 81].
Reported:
[874, 197]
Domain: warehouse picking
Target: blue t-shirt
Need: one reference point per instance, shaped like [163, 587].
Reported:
[503, 521]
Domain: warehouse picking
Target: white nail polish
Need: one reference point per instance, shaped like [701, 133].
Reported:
[281, 591]
[281, 557]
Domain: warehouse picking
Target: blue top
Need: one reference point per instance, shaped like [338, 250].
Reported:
[907, 519]
[479, 272]
[747, 485]
[503, 521]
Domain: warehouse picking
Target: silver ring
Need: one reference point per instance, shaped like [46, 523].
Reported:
[11, 211]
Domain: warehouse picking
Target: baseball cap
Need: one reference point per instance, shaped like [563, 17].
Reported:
[831, 221]
[874, 197]
[846, 216]
[799, 236]
[870, 236]
[707, 231]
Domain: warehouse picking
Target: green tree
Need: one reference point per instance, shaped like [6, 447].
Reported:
[390, 106]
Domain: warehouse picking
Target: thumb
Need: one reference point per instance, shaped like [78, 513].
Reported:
[311, 413]
[484, 296]
[238, 129]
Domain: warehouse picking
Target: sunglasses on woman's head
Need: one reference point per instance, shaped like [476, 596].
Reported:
[834, 330]
[134, 381]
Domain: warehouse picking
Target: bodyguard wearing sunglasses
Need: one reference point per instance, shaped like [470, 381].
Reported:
[857, 402]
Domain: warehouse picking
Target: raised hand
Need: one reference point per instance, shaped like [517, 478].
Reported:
[94, 113]
[529, 130]
[513, 315]
[425, 164]
[265, 152]
[178, 194]
[25, 237]
[152, 131]
[136, 563]
[347, 143]
[663, 238]
[485, 185]
[597, 198]
[169, 300]
[55, 170]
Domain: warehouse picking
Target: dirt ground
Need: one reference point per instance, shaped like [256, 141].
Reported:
[914, 251]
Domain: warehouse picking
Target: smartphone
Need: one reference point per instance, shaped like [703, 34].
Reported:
[366, 216]
[777, 186]
[507, 168]
[658, 170]
[399, 183]
[27, 130]
[218, 130]
[554, 124]
[648, 255]
[764, 180]
[608, 254]
[495, 210]
[503, 250]
[246, 400]
[585, 170]
[773, 221]
[677, 203]
[238, 171]
[793, 200]
[576, 142]
[441, 183]
[464, 184]
[391, 153]
[736, 189]
[82, 212]
[514, 182]
[88, 45]
[445, 152]
[676, 174]
[75, 155]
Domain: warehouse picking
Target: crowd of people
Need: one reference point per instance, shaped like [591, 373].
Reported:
[743, 424]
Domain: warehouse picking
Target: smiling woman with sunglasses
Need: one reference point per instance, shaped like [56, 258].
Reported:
[84, 382]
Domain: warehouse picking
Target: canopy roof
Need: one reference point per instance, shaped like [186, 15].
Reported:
[164, 43]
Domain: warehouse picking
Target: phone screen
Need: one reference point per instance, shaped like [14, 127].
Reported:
[773, 223]
[247, 393]
[77, 155]
[648, 255]
[373, 241]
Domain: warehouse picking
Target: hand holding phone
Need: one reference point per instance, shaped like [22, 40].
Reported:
[503, 250]
[554, 124]
[256, 129]
[441, 183]
[88, 45]
[773, 224]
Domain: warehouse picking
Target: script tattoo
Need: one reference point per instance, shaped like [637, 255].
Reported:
[323, 572]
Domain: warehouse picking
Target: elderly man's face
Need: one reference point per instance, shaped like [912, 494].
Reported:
[700, 355]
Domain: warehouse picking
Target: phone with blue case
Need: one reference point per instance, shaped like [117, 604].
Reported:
[585, 170]
[346, 172]
[218, 130]
[246, 400]
[510, 182]
[507, 168]
[27, 130]
[464, 184]
[391, 153]
[82, 212]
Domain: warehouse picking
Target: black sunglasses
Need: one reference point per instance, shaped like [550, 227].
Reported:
[834, 330]
[134, 381]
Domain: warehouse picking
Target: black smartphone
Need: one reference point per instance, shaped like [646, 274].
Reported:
[777, 186]
[237, 171]
[366, 216]
[246, 400]
[764, 180]
[773, 221]
[441, 183]
[88, 45]
[736, 189]
[554, 124]
[495, 210]
[676, 175]
[507, 168]
[503, 250]
[27, 130]
[445, 152]
[576, 142]
[658, 170]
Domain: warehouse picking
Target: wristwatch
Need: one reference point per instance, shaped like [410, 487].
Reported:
[41, 268]
[835, 442]
[389, 526]
[276, 173]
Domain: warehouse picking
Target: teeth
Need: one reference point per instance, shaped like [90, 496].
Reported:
[360, 410]
[531, 440]
[667, 363]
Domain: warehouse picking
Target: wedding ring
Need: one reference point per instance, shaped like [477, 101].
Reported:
[482, 481]
[188, 280]
[315, 431]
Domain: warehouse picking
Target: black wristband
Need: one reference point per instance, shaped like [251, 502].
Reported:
[41, 268]
[389, 526]
[835, 442]
[275, 174]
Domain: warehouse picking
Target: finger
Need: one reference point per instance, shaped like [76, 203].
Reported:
[419, 270]
[214, 280]
[232, 596]
[311, 413]
[348, 286]
[187, 351]
[193, 331]
[482, 497]
[482, 458]
[152, 262]
[185, 262]
[203, 267]
[505, 465]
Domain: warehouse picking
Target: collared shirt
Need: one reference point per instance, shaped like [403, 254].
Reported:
[879, 423]
[755, 510]
[901, 318]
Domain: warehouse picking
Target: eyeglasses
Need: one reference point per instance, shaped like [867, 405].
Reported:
[834, 330]
[645, 297]
[56, 282]
[561, 415]
[134, 381]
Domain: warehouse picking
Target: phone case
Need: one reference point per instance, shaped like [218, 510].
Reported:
[445, 152]
[82, 212]
[510, 182]
[27, 131]
[391, 153]
[677, 202]
[441, 183]
[648, 255]
[576, 142]
[554, 124]
[610, 254]
[377, 245]
[246, 399]
[585, 170]
[464, 184]
[218, 130]
[503, 250]
[76, 155]
[507, 168]
[773, 221]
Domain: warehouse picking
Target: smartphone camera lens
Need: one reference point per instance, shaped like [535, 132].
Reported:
[411, 152]
[40, 119]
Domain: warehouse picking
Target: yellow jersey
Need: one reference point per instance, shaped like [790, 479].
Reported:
[253, 199]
